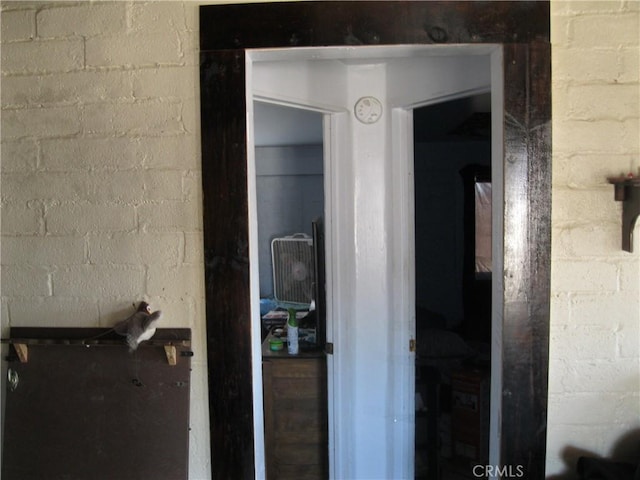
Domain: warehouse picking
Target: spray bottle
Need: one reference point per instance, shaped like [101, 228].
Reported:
[292, 332]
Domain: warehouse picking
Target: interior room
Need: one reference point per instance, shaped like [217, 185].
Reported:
[103, 205]
[289, 192]
[366, 300]
[452, 145]
[289, 198]
[452, 149]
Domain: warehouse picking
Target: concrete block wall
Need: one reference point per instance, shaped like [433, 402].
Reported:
[101, 188]
[594, 384]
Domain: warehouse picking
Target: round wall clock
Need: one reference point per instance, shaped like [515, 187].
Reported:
[368, 110]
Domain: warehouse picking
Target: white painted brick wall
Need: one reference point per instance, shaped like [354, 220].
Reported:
[18, 156]
[40, 122]
[66, 88]
[162, 249]
[58, 311]
[72, 218]
[101, 192]
[43, 56]
[594, 381]
[77, 20]
[51, 251]
[18, 25]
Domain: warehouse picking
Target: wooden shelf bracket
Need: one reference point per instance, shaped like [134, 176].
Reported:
[627, 191]
[23, 351]
[170, 352]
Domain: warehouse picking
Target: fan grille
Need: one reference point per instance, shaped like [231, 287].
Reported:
[293, 269]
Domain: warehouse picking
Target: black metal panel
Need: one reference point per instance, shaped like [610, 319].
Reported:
[97, 412]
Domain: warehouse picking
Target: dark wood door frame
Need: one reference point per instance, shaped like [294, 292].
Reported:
[522, 28]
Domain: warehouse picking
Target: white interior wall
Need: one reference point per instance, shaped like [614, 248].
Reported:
[369, 323]
[290, 195]
[280, 126]
[445, 73]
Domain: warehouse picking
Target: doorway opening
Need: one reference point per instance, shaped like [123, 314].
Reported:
[375, 427]
[368, 197]
[287, 183]
[453, 206]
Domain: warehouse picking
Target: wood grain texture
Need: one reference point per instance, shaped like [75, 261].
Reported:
[295, 412]
[300, 24]
[97, 411]
[527, 171]
[226, 241]
[523, 30]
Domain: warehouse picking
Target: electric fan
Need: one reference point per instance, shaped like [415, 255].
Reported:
[293, 269]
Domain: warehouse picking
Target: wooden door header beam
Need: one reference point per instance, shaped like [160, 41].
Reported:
[304, 24]
[522, 28]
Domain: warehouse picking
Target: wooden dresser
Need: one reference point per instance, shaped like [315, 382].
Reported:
[470, 411]
[295, 414]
